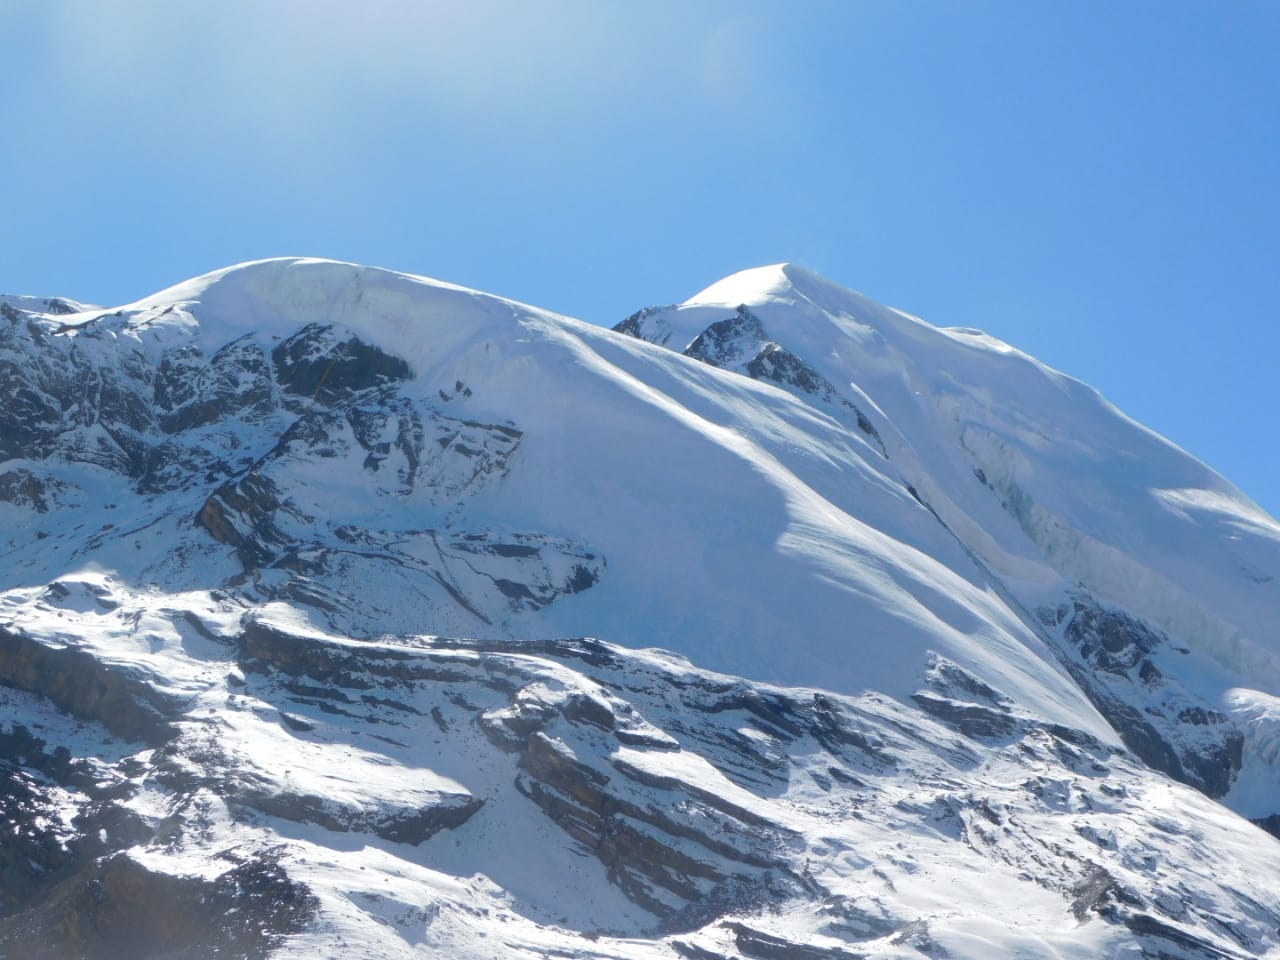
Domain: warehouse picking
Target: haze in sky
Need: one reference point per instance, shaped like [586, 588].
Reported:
[1095, 183]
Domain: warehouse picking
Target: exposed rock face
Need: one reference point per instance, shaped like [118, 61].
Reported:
[192, 391]
[1167, 725]
[72, 404]
[26, 488]
[412, 446]
[35, 784]
[766, 946]
[740, 343]
[236, 431]
[119, 908]
[667, 855]
[641, 325]
[78, 683]
[731, 342]
[320, 363]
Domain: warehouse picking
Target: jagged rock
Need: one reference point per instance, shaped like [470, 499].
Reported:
[767, 946]
[81, 684]
[1151, 928]
[320, 363]
[243, 515]
[235, 382]
[1184, 737]
[25, 488]
[730, 342]
[118, 908]
[34, 858]
[740, 343]
[646, 849]
[971, 719]
[411, 826]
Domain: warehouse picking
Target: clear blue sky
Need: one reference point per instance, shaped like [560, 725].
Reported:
[1095, 182]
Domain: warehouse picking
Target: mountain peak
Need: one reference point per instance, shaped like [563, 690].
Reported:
[276, 281]
[778, 281]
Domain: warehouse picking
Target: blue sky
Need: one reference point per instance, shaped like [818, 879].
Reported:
[1096, 183]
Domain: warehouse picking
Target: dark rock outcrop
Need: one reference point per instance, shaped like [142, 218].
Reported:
[740, 343]
[768, 946]
[321, 363]
[1173, 730]
[26, 488]
[81, 684]
[118, 908]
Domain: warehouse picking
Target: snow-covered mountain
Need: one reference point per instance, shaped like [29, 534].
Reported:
[902, 643]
